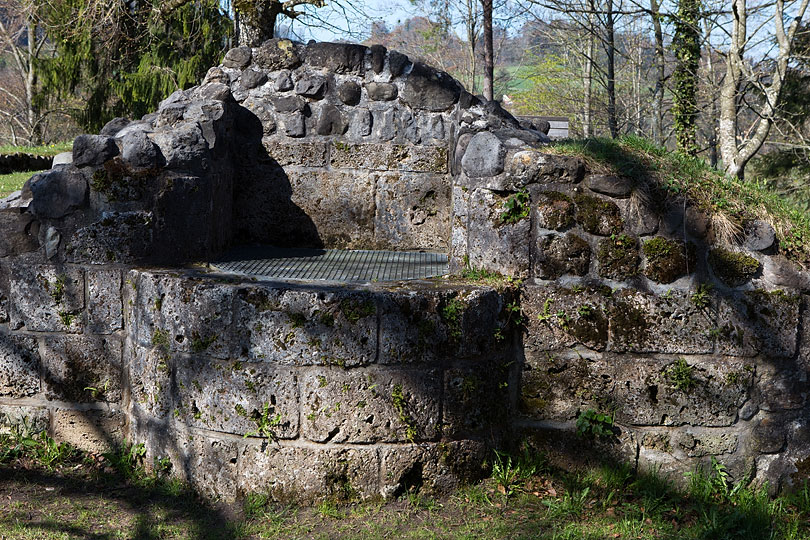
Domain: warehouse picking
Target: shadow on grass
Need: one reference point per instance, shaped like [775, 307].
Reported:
[76, 500]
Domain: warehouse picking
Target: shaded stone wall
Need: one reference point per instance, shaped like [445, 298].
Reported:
[635, 309]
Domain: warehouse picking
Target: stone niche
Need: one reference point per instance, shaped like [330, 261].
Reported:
[698, 347]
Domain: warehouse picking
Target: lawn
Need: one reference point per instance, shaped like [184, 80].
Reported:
[11, 182]
[50, 491]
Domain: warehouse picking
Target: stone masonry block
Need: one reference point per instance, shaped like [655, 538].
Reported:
[207, 463]
[340, 205]
[758, 322]
[47, 298]
[493, 243]
[292, 327]
[182, 314]
[93, 431]
[289, 153]
[430, 468]
[231, 397]
[412, 211]
[370, 406]
[23, 418]
[152, 379]
[388, 157]
[458, 228]
[309, 474]
[104, 309]
[669, 391]
[559, 385]
[19, 366]
[558, 318]
[674, 323]
[437, 325]
[82, 368]
[476, 400]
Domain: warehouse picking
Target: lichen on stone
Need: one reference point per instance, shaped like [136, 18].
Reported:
[733, 268]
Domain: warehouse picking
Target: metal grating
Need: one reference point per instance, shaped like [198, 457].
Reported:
[332, 264]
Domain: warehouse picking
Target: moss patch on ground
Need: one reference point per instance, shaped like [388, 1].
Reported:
[669, 176]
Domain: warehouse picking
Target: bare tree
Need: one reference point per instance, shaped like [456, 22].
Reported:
[738, 146]
[23, 39]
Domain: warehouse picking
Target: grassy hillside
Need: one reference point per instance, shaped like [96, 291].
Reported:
[663, 176]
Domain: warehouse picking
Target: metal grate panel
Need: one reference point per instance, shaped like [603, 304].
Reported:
[332, 264]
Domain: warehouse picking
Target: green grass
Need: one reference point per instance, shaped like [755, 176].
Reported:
[666, 176]
[10, 183]
[54, 491]
[42, 150]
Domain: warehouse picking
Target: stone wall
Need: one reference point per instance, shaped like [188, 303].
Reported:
[23, 162]
[627, 303]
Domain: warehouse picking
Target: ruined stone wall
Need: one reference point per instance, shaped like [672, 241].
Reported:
[635, 309]
[627, 305]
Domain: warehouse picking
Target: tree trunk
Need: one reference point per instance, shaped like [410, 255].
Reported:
[489, 54]
[660, 59]
[610, 50]
[257, 23]
[686, 43]
[31, 85]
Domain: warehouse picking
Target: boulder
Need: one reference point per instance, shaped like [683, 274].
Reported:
[238, 58]
[93, 150]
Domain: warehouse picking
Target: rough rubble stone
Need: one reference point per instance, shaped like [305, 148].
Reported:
[216, 75]
[284, 81]
[62, 158]
[397, 63]
[404, 158]
[310, 154]
[313, 86]
[337, 57]
[275, 54]
[23, 417]
[93, 150]
[530, 166]
[360, 123]
[556, 255]
[115, 125]
[349, 93]
[428, 89]
[252, 78]
[598, 216]
[184, 148]
[759, 235]
[19, 366]
[618, 257]
[238, 58]
[289, 104]
[493, 244]
[215, 91]
[138, 151]
[613, 186]
[484, 156]
[378, 53]
[381, 91]
[412, 211]
[293, 124]
[554, 210]
[331, 121]
[57, 193]
[758, 322]
[18, 236]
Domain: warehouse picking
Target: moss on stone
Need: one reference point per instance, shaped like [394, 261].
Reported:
[667, 260]
[618, 257]
[598, 216]
[354, 310]
[733, 268]
[628, 322]
[555, 210]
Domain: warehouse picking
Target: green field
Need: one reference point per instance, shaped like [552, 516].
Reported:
[10, 183]
[43, 150]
